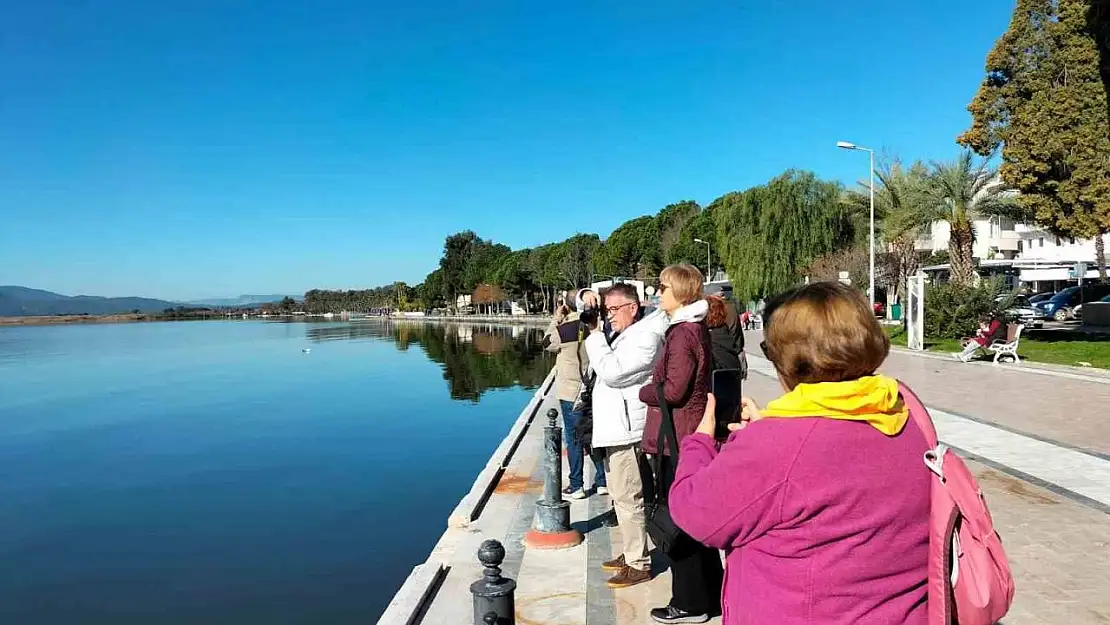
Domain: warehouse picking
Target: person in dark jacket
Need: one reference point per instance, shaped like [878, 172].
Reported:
[726, 339]
[684, 369]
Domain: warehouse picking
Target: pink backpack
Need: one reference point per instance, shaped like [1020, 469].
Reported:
[969, 577]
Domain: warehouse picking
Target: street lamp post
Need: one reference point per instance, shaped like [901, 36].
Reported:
[708, 263]
[845, 145]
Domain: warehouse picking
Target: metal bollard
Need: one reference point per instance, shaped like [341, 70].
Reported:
[494, 602]
[551, 528]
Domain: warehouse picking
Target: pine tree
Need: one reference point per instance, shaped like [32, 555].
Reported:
[1044, 102]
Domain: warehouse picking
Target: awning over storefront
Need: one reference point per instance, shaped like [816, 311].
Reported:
[1050, 274]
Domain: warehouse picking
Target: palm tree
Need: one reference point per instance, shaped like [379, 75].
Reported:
[899, 196]
[902, 194]
[958, 193]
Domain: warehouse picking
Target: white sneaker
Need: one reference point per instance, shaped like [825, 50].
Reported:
[601, 490]
[574, 494]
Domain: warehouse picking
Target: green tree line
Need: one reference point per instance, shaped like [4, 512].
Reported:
[767, 238]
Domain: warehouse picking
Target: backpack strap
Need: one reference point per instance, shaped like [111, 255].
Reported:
[919, 414]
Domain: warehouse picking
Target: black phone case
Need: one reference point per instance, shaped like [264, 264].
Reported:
[727, 411]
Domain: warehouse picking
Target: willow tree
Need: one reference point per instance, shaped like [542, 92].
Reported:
[1044, 103]
[768, 234]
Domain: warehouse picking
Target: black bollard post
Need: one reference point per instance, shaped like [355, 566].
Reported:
[551, 528]
[494, 602]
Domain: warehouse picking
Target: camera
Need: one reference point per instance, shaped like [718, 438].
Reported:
[584, 429]
[590, 317]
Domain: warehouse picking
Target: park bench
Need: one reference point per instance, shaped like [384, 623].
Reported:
[1009, 346]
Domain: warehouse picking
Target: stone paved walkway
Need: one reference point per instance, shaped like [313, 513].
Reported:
[1063, 409]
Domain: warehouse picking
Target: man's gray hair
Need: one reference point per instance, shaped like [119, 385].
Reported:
[628, 291]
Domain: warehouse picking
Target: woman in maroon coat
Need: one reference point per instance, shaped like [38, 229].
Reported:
[685, 369]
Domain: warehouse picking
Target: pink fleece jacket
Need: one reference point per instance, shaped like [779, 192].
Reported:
[822, 521]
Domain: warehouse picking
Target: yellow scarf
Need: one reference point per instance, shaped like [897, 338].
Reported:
[873, 399]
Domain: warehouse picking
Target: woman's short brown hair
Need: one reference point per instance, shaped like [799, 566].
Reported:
[685, 280]
[718, 314]
[825, 332]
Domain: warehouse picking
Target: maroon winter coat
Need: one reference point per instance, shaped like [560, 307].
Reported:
[687, 381]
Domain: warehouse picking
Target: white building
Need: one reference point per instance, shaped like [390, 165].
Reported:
[1047, 262]
[995, 238]
[1040, 260]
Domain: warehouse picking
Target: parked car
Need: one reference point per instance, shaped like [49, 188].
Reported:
[1078, 311]
[1041, 297]
[1061, 306]
[1024, 311]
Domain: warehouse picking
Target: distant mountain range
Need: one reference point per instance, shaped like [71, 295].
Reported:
[19, 301]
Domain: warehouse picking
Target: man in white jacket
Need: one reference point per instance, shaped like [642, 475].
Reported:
[623, 364]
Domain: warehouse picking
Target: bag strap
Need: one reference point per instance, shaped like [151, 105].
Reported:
[919, 414]
[667, 429]
[667, 432]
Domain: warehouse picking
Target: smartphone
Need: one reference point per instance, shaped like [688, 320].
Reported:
[726, 388]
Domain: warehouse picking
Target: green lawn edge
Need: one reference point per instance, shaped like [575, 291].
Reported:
[1056, 347]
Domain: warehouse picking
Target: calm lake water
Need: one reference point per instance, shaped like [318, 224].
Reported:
[212, 472]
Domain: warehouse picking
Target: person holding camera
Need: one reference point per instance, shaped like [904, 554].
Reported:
[566, 337]
[681, 380]
[622, 362]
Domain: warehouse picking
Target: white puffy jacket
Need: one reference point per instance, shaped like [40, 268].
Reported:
[622, 369]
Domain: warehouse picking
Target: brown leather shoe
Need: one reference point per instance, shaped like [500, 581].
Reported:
[614, 565]
[628, 577]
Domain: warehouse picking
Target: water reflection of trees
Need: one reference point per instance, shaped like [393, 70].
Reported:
[474, 357]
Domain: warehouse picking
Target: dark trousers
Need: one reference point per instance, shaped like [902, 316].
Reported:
[696, 571]
[575, 453]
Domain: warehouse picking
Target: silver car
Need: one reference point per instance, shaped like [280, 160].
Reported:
[1024, 311]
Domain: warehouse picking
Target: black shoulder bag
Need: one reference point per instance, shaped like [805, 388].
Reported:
[660, 526]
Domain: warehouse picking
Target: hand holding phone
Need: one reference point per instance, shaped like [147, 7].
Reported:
[727, 391]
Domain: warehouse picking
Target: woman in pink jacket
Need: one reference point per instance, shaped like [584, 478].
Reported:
[820, 500]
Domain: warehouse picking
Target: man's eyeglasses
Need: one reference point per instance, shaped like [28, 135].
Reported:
[612, 310]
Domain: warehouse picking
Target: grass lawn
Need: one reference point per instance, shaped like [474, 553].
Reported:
[1058, 347]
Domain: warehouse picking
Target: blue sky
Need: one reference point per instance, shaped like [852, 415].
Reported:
[200, 148]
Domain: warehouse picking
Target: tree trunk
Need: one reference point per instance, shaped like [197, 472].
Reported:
[961, 254]
[1100, 256]
[907, 262]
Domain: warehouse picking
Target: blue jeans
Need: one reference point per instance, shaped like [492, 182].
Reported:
[575, 454]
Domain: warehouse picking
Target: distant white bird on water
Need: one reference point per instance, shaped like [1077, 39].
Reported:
[306, 350]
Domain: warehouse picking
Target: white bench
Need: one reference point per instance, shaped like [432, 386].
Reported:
[1009, 347]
